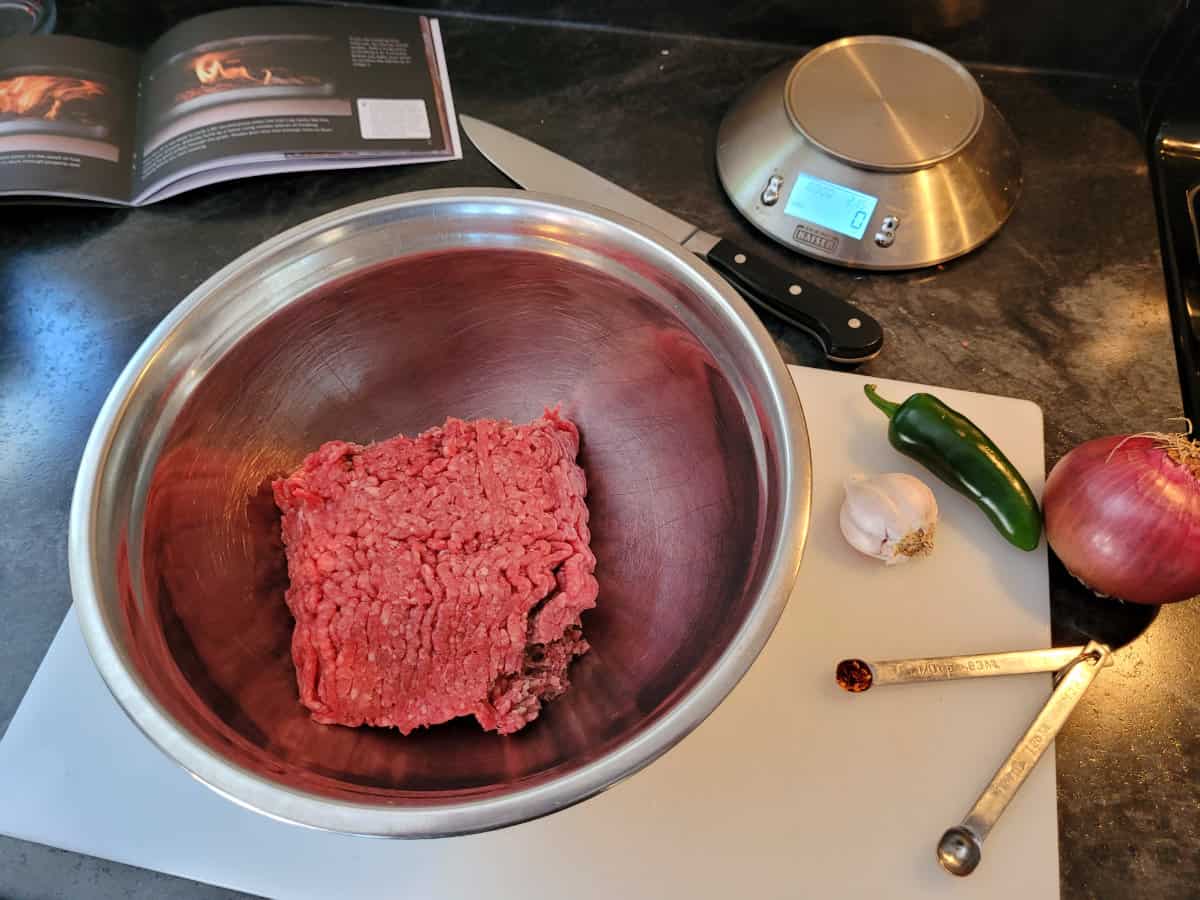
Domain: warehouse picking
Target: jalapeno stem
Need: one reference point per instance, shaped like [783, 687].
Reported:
[889, 408]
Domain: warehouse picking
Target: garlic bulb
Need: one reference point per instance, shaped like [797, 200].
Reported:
[890, 517]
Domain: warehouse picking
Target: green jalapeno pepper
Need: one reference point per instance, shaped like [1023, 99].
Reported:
[954, 449]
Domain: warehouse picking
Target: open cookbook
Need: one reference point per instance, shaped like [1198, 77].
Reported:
[222, 96]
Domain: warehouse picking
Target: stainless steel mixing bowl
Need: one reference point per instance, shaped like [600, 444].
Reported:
[387, 317]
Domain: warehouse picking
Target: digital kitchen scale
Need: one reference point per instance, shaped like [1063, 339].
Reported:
[872, 152]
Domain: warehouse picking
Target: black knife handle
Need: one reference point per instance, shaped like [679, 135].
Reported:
[847, 333]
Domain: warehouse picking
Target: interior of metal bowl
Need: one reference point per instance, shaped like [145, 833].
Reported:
[388, 322]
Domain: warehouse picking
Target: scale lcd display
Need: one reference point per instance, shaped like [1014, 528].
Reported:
[830, 205]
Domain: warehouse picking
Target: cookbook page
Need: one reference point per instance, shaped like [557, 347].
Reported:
[297, 84]
[66, 118]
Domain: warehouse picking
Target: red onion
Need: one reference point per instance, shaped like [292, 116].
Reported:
[1123, 514]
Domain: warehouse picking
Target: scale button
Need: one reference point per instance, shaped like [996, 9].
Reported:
[770, 194]
[886, 235]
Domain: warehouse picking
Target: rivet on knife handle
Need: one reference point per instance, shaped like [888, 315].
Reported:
[961, 848]
[846, 333]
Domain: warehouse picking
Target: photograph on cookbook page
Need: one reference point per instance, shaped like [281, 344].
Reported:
[246, 91]
[66, 123]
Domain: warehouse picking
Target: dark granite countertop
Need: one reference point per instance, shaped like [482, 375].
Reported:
[1065, 307]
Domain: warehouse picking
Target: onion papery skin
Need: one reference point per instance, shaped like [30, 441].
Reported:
[1124, 518]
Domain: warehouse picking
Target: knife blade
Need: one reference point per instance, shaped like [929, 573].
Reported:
[846, 333]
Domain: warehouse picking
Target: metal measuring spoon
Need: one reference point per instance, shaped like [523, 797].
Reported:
[961, 848]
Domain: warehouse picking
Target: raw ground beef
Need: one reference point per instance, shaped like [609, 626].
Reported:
[438, 576]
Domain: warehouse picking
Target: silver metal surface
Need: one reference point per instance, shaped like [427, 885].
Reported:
[253, 93]
[884, 102]
[538, 169]
[949, 668]
[388, 317]
[701, 243]
[961, 848]
[951, 183]
[56, 127]
[21, 17]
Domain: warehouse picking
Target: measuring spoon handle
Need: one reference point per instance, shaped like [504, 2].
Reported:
[961, 848]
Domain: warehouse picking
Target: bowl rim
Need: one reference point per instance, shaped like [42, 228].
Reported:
[289, 804]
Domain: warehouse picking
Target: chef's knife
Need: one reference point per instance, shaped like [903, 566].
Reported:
[847, 334]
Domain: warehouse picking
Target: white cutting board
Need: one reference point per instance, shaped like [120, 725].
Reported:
[791, 789]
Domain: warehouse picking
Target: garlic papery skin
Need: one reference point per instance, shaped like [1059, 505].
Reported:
[891, 517]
